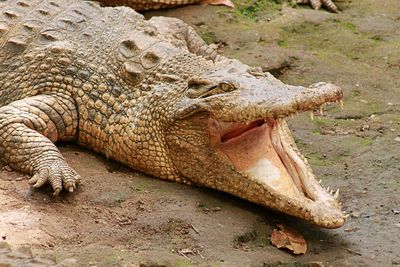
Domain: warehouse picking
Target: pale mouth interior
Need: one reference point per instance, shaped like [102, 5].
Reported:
[259, 150]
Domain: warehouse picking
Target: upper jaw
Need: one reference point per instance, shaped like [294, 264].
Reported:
[271, 99]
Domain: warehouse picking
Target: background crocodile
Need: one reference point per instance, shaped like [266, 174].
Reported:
[149, 94]
[141, 5]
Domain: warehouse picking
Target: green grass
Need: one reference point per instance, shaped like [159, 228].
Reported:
[252, 9]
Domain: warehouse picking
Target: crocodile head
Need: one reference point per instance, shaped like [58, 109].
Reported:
[228, 132]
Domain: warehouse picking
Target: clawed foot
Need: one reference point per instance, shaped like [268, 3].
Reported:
[58, 176]
[316, 4]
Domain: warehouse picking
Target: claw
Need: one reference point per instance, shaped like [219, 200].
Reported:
[57, 191]
[70, 186]
[41, 180]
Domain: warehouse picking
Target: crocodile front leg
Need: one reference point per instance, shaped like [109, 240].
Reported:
[175, 28]
[28, 129]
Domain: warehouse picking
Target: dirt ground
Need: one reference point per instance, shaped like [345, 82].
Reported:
[119, 217]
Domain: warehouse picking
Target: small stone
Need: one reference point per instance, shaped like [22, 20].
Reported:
[396, 211]
[23, 253]
[215, 209]
[397, 139]
[4, 246]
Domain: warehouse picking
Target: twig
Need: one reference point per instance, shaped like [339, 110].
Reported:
[183, 254]
[353, 252]
[195, 229]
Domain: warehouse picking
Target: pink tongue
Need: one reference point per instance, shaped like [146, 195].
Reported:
[253, 154]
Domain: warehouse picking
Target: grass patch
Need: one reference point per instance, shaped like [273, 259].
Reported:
[321, 121]
[252, 9]
[365, 141]
[316, 160]
[350, 26]
[282, 43]
[209, 37]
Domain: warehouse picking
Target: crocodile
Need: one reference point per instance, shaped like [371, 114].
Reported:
[154, 96]
[141, 5]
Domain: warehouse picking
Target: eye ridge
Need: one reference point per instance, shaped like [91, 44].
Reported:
[202, 88]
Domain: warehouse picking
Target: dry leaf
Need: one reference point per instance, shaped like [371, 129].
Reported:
[219, 2]
[285, 237]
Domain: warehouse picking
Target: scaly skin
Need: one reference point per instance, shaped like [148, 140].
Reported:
[152, 95]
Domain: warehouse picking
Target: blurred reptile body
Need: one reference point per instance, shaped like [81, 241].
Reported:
[151, 95]
[140, 5]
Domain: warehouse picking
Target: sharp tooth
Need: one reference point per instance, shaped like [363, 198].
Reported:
[321, 110]
[336, 196]
[319, 181]
[341, 104]
[327, 189]
[312, 115]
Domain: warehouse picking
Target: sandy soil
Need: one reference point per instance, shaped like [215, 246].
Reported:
[119, 217]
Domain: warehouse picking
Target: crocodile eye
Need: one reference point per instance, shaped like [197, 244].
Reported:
[202, 88]
[226, 86]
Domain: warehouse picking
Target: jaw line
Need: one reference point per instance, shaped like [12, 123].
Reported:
[308, 199]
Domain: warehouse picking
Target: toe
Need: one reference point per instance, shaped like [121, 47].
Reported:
[70, 178]
[329, 5]
[55, 180]
[39, 178]
[316, 4]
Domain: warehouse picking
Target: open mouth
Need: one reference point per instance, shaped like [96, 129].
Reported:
[264, 150]
[258, 149]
